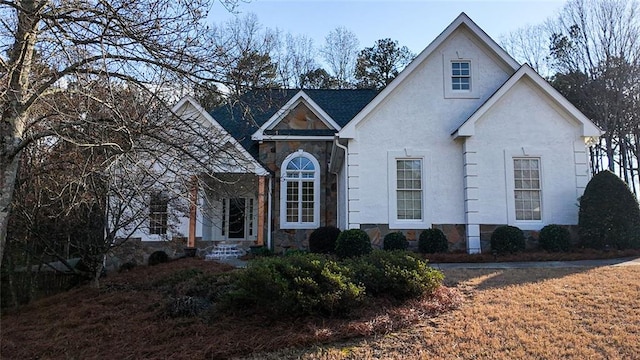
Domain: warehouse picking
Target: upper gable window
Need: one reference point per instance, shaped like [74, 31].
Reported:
[461, 75]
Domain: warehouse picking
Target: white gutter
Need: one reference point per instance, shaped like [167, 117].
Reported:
[346, 176]
[269, 214]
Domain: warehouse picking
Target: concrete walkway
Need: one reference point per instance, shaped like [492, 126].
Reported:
[632, 261]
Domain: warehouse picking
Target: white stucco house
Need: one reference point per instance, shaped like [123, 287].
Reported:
[464, 139]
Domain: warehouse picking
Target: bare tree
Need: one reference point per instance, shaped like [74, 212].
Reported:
[57, 50]
[295, 57]
[340, 52]
[595, 47]
[530, 44]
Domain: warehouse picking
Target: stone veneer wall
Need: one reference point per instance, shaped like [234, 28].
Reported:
[531, 236]
[455, 234]
[272, 154]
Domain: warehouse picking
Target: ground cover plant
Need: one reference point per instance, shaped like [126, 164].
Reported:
[157, 312]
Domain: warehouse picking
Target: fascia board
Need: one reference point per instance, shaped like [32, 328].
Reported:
[349, 130]
[210, 121]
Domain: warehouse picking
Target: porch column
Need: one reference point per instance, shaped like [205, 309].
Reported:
[261, 212]
[193, 203]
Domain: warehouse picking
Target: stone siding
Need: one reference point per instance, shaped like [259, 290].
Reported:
[455, 234]
[272, 154]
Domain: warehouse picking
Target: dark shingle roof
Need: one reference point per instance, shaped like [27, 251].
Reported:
[244, 116]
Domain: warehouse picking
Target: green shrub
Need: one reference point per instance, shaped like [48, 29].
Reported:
[158, 257]
[507, 239]
[395, 241]
[609, 214]
[262, 251]
[300, 284]
[397, 274]
[555, 238]
[353, 243]
[433, 241]
[323, 240]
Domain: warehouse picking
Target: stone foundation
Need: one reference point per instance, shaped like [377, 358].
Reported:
[455, 234]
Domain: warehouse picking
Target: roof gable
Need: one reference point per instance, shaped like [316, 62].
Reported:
[285, 113]
[589, 129]
[463, 21]
[255, 108]
[189, 106]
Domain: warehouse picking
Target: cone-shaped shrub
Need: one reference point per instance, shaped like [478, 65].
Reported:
[609, 214]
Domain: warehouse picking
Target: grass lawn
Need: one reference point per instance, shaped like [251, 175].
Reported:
[506, 314]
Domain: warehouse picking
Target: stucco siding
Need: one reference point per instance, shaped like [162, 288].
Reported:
[525, 123]
[416, 117]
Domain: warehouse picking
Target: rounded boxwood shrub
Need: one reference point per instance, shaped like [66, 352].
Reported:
[296, 285]
[158, 257]
[507, 239]
[609, 214]
[397, 274]
[433, 241]
[555, 238]
[395, 241]
[323, 240]
[353, 243]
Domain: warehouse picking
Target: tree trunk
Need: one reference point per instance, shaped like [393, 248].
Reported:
[9, 175]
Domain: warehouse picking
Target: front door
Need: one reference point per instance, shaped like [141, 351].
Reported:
[237, 218]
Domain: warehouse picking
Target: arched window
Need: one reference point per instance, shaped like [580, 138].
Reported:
[300, 192]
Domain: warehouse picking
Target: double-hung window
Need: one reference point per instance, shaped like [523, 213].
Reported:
[461, 75]
[158, 214]
[409, 189]
[300, 192]
[527, 189]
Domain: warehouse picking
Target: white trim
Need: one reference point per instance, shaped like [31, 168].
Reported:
[298, 137]
[300, 97]
[447, 61]
[408, 154]
[589, 129]
[180, 108]
[349, 130]
[284, 224]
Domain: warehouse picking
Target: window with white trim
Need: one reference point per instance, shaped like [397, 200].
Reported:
[300, 192]
[461, 75]
[158, 214]
[409, 189]
[527, 189]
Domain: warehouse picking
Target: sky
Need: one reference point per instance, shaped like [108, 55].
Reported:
[413, 23]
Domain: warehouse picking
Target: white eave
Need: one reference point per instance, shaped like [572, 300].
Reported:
[349, 130]
[207, 120]
[589, 129]
[300, 97]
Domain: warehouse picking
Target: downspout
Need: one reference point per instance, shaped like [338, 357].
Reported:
[346, 176]
[269, 214]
